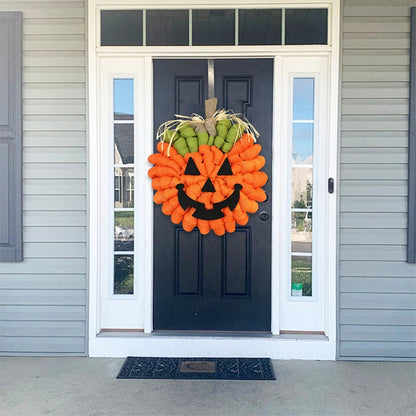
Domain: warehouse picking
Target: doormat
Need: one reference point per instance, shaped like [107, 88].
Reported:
[198, 368]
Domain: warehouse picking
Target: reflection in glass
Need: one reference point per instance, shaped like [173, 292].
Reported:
[260, 27]
[301, 231]
[124, 231]
[306, 26]
[302, 188]
[123, 99]
[301, 276]
[123, 187]
[302, 184]
[213, 27]
[121, 27]
[123, 275]
[167, 27]
[123, 144]
[303, 93]
[302, 143]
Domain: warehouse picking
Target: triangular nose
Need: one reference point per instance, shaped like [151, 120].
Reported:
[208, 186]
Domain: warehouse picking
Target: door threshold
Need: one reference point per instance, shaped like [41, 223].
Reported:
[287, 332]
[161, 334]
[230, 334]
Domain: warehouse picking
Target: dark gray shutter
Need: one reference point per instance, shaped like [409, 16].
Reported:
[411, 225]
[11, 136]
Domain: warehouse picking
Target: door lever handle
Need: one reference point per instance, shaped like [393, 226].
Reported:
[331, 185]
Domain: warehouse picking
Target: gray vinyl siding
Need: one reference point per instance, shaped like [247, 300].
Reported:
[377, 288]
[43, 299]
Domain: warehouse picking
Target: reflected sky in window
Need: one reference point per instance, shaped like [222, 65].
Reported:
[302, 142]
[123, 99]
[303, 92]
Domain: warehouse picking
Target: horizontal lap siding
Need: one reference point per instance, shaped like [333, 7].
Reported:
[43, 299]
[377, 313]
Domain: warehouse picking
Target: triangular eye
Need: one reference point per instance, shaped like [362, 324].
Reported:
[225, 168]
[191, 168]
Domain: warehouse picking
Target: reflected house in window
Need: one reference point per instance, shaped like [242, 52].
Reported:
[123, 187]
[302, 188]
[124, 231]
[123, 175]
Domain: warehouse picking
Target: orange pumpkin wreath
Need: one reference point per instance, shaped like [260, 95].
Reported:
[213, 182]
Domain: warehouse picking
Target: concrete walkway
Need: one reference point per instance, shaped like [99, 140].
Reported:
[87, 386]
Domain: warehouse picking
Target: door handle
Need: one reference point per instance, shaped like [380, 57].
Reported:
[264, 216]
[331, 185]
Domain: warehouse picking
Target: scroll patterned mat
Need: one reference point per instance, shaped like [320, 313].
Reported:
[198, 368]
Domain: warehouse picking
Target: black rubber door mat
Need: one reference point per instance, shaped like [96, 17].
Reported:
[197, 368]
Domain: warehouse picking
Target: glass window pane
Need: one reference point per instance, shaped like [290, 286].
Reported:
[167, 27]
[123, 99]
[302, 143]
[301, 276]
[306, 27]
[124, 231]
[123, 144]
[260, 27]
[121, 28]
[213, 27]
[123, 275]
[123, 187]
[302, 232]
[303, 93]
[302, 188]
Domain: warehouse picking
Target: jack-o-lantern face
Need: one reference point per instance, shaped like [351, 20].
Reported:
[209, 189]
[201, 211]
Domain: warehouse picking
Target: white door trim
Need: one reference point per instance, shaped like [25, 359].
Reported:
[120, 346]
[305, 313]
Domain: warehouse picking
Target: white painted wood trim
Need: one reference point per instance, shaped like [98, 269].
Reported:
[276, 209]
[333, 145]
[149, 205]
[93, 179]
[218, 4]
[213, 51]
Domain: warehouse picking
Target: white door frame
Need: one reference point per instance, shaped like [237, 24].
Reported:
[276, 346]
[305, 313]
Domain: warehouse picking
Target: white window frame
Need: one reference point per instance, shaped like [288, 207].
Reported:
[304, 313]
[276, 346]
[119, 311]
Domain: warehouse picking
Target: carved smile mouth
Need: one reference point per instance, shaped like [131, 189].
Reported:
[203, 213]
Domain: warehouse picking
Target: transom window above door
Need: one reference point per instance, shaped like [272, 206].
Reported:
[204, 27]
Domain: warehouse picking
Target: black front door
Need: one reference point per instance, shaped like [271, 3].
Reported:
[210, 282]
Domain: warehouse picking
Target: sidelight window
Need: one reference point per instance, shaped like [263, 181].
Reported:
[123, 128]
[302, 186]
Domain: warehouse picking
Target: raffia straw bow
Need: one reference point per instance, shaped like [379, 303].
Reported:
[208, 125]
